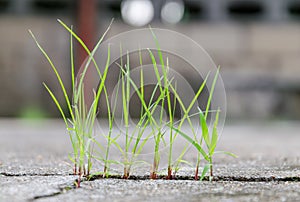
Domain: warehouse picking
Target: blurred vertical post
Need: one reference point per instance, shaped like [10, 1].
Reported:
[86, 24]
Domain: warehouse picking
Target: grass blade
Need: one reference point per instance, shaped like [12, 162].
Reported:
[214, 137]
[205, 133]
[193, 142]
[57, 104]
[227, 153]
[72, 62]
[56, 73]
[211, 93]
[204, 171]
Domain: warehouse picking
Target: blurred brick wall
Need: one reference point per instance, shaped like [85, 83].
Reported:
[22, 66]
[260, 64]
[258, 52]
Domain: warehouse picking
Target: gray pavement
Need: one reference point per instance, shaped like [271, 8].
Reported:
[34, 165]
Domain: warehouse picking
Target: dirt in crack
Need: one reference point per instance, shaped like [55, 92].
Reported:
[61, 191]
[215, 178]
[147, 177]
[47, 195]
[32, 174]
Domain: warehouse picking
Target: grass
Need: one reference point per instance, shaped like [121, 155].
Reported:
[80, 117]
[146, 119]
[210, 140]
[131, 148]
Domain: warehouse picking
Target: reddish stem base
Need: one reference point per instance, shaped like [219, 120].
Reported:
[196, 173]
[169, 177]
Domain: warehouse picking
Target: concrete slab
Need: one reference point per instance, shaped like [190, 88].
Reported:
[22, 188]
[34, 165]
[161, 190]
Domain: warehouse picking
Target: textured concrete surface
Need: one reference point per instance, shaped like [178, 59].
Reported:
[34, 165]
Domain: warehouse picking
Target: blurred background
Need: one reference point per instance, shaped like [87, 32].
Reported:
[256, 43]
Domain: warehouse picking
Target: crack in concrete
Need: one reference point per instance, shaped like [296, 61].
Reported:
[47, 195]
[215, 178]
[258, 179]
[32, 174]
[147, 177]
[62, 190]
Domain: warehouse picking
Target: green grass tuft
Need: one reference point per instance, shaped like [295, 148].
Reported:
[80, 124]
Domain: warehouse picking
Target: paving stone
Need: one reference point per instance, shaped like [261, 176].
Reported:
[34, 166]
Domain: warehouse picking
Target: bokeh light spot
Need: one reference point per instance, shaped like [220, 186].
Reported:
[137, 12]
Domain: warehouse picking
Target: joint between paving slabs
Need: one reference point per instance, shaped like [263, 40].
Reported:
[207, 178]
[6, 174]
[215, 178]
[61, 191]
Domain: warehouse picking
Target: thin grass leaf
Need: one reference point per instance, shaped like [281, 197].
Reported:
[158, 48]
[187, 111]
[214, 137]
[146, 108]
[118, 146]
[83, 44]
[153, 60]
[141, 79]
[205, 133]
[193, 142]
[103, 79]
[180, 158]
[204, 171]
[185, 162]
[195, 98]
[211, 92]
[227, 153]
[110, 120]
[56, 73]
[128, 82]
[57, 104]
[140, 133]
[72, 61]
